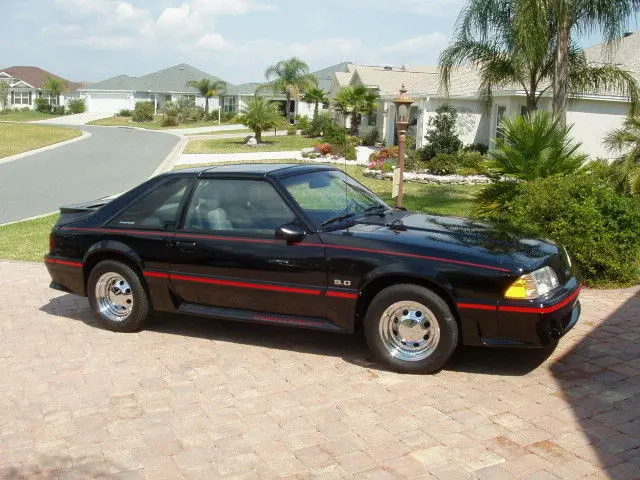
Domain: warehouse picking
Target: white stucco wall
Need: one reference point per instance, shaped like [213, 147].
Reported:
[592, 120]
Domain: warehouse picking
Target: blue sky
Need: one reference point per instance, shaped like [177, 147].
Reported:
[91, 40]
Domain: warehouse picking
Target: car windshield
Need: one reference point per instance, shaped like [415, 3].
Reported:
[331, 197]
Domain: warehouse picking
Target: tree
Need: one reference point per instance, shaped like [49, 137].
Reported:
[442, 137]
[259, 115]
[493, 38]
[55, 87]
[208, 87]
[4, 95]
[626, 141]
[316, 96]
[355, 101]
[290, 77]
[564, 18]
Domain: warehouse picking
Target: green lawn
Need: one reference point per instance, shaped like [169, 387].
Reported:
[26, 116]
[220, 132]
[154, 125]
[236, 145]
[26, 240]
[19, 137]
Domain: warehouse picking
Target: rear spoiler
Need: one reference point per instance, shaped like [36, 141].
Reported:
[84, 207]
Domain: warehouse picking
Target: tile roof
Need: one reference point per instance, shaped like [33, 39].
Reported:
[121, 82]
[389, 79]
[36, 76]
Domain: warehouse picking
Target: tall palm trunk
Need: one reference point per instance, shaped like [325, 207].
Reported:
[561, 73]
[315, 110]
[206, 105]
[258, 133]
[355, 124]
[287, 111]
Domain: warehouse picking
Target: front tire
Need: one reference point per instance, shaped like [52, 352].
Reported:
[117, 297]
[411, 329]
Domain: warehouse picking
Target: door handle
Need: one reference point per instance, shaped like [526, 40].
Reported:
[181, 244]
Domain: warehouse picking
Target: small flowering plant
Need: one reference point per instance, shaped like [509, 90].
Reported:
[384, 160]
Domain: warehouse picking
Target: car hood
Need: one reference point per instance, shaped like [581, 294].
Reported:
[460, 235]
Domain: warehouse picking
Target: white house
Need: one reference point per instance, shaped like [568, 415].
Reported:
[27, 83]
[592, 115]
[123, 92]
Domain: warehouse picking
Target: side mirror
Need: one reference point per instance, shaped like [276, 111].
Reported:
[291, 232]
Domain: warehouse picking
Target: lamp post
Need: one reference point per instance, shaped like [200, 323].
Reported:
[403, 104]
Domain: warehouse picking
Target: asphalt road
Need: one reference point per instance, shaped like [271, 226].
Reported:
[112, 160]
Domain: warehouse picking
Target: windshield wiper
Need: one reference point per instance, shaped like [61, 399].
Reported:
[339, 218]
[376, 209]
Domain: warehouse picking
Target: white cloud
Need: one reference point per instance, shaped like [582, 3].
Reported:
[213, 41]
[127, 12]
[420, 7]
[229, 7]
[432, 41]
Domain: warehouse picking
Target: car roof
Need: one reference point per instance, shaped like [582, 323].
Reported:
[254, 170]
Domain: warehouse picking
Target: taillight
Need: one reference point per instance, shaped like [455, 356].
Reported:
[52, 242]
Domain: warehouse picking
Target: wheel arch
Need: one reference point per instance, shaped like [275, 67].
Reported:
[376, 285]
[110, 250]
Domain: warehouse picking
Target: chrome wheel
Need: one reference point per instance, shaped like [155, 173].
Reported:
[114, 296]
[409, 331]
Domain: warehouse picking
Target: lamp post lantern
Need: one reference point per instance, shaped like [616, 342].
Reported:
[403, 105]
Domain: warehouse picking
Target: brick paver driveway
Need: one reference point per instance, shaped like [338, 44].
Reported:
[195, 398]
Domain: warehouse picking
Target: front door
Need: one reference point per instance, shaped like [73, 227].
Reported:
[228, 256]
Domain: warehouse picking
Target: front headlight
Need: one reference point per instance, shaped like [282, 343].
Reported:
[533, 285]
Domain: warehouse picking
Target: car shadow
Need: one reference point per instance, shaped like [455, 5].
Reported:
[599, 378]
[50, 467]
[351, 348]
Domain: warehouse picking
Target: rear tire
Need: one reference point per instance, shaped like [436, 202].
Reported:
[411, 329]
[117, 297]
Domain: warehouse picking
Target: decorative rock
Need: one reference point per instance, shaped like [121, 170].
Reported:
[251, 141]
[421, 177]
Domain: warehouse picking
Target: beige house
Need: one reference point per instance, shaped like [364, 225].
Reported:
[592, 115]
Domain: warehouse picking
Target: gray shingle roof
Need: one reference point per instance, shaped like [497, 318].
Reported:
[625, 53]
[325, 75]
[172, 79]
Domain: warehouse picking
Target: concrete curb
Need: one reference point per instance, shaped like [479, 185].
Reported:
[28, 218]
[18, 156]
[169, 161]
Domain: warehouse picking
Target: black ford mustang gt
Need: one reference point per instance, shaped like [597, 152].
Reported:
[308, 246]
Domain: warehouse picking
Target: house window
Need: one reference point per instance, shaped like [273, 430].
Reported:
[21, 98]
[229, 104]
[500, 114]
[372, 120]
[167, 98]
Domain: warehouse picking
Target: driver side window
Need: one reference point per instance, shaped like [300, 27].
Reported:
[237, 206]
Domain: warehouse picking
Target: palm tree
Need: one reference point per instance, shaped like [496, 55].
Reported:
[208, 87]
[290, 77]
[354, 101]
[259, 115]
[55, 87]
[626, 141]
[316, 96]
[564, 17]
[489, 37]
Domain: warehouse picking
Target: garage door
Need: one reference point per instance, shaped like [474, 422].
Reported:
[108, 102]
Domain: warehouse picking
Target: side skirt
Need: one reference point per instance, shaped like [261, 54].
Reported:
[259, 317]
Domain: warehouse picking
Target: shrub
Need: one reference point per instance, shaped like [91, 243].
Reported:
[302, 122]
[355, 140]
[318, 125]
[442, 137]
[125, 113]
[42, 105]
[323, 148]
[77, 105]
[443, 164]
[371, 137]
[384, 154]
[292, 130]
[170, 121]
[335, 134]
[58, 110]
[476, 147]
[472, 162]
[536, 146]
[585, 213]
[347, 151]
[143, 112]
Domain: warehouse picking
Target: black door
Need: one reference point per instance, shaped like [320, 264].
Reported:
[228, 256]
